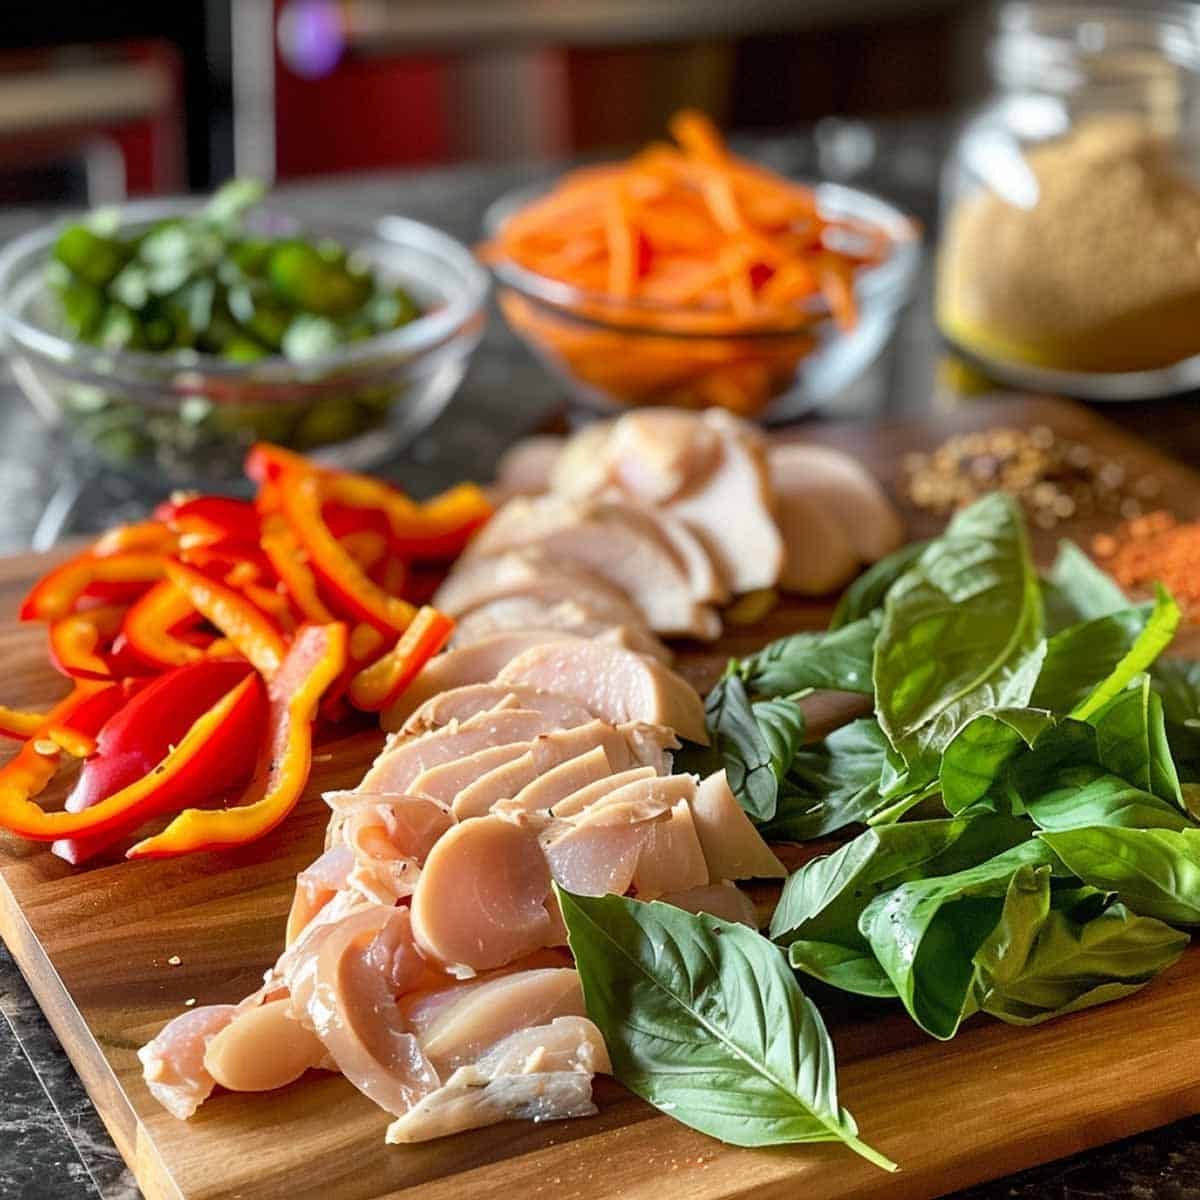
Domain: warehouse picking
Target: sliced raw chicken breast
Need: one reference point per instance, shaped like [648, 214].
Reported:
[173, 1063]
[526, 467]
[724, 900]
[733, 848]
[576, 802]
[481, 899]
[264, 1047]
[658, 453]
[457, 1025]
[564, 780]
[820, 556]
[671, 859]
[403, 759]
[616, 684]
[443, 783]
[477, 663]
[841, 486]
[390, 840]
[316, 885]
[731, 509]
[540, 1074]
[463, 703]
[533, 612]
[584, 468]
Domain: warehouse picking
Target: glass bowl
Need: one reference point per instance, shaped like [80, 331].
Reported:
[188, 416]
[610, 355]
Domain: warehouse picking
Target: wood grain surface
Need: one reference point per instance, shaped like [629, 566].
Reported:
[97, 947]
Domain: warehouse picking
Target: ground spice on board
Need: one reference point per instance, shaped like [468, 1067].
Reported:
[1155, 548]
[1057, 479]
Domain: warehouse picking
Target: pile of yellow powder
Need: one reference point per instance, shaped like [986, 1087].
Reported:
[1101, 274]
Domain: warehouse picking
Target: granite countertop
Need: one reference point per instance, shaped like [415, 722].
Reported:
[52, 1143]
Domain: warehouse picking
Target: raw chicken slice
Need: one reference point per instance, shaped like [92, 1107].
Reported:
[733, 848]
[264, 1047]
[477, 581]
[443, 783]
[731, 509]
[459, 1024]
[533, 612]
[316, 885]
[390, 839]
[820, 557]
[525, 468]
[403, 759]
[657, 453]
[843, 488]
[541, 1074]
[481, 900]
[576, 802]
[477, 663]
[616, 684]
[671, 859]
[583, 468]
[612, 541]
[463, 703]
[343, 986]
[562, 781]
[724, 900]
[173, 1063]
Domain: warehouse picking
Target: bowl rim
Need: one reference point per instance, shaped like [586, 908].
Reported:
[891, 279]
[416, 338]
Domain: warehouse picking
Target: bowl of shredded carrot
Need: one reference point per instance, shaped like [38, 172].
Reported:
[689, 276]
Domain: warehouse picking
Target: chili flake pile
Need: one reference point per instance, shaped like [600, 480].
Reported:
[1155, 548]
[1056, 478]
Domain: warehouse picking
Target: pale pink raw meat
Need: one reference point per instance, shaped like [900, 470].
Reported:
[262, 1048]
[733, 848]
[463, 703]
[173, 1063]
[724, 900]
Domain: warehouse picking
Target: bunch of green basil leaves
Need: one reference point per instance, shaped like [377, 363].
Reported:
[1026, 799]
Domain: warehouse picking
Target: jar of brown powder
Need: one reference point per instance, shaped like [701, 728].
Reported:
[1070, 258]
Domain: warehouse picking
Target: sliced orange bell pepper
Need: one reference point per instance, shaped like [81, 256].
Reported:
[182, 772]
[150, 622]
[266, 462]
[152, 536]
[314, 661]
[242, 622]
[283, 551]
[346, 586]
[376, 686]
[75, 641]
[117, 576]
[84, 710]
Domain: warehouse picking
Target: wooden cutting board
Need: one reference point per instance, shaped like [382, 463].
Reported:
[113, 952]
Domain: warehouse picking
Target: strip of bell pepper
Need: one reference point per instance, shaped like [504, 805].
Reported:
[213, 518]
[286, 557]
[183, 770]
[376, 686]
[84, 710]
[242, 622]
[347, 587]
[149, 626]
[366, 546]
[117, 576]
[75, 641]
[266, 462]
[435, 529]
[314, 661]
[152, 536]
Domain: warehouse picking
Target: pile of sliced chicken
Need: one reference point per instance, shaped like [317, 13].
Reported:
[426, 957]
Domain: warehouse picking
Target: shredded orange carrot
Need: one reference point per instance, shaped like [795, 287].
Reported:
[686, 239]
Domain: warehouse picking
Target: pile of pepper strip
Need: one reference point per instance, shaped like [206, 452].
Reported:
[208, 646]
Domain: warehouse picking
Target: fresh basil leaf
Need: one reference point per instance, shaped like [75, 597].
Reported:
[842, 967]
[1040, 962]
[1076, 589]
[754, 763]
[1178, 683]
[703, 1019]
[961, 634]
[868, 592]
[839, 661]
[925, 933]
[1131, 738]
[1077, 797]
[975, 760]
[831, 784]
[1156, 872]
[1088, 664]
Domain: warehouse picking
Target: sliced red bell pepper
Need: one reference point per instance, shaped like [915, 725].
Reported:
[77, 638]
[266, 462]
[242, 622]
[182, 773]
[84, 710]
[151, 536]
[376, 686]
[347, 588]
[312, 664]
[219, 557]
[286, 557]
[141, 733]
[150, 627]
[212, 518]
[121, 576]
[436, 529]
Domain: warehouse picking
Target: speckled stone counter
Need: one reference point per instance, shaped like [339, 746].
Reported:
[52, 1144]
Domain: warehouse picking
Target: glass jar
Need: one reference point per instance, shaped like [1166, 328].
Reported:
[1070, 256]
